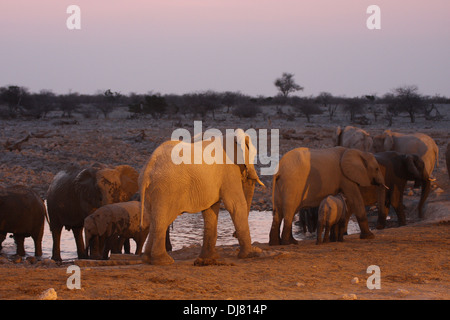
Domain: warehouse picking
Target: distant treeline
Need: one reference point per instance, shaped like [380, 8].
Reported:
[18, 102]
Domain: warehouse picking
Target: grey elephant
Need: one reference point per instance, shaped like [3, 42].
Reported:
[306, 176]
[417, 143]
[76, 192]
[108, 227]
[22, 212]
[352, 137]
[332, 214]
[397, 169]
[169, 189]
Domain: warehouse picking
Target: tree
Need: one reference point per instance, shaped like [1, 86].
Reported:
[306, 106]
[286, 84]
[13, 97]
[69, 103]
[407, 99]
[107, 102]
[353, 106]
[328, 101]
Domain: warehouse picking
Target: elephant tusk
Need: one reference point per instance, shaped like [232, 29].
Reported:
[260, 182]
[432, 179]
[386, 187]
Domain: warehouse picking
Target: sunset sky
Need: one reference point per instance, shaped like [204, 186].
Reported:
[180, 46]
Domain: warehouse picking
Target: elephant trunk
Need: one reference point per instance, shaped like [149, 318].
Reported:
[426, 188]
[383, 209]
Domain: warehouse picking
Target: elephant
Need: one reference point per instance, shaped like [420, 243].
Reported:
[308, 219]
[75, 193]
[23, 213]
[332, 213]
[109, 226]
[447, 159]
[418, 143]
[168, 189]
[306, 176]
[397, 169]
[352, 137]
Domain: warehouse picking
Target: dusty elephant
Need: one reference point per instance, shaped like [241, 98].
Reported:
[22, 212]
[306, 176]
[352, 137]
[417, 143]
[75, 193]
[108, 227]
[332, 214]
[168, 189]
[397, 169]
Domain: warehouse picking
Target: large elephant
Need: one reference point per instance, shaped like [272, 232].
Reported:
[108, 227]
[22, 212]
[168, 189]
[397, 169]
[417, 143]
[352, 137]
[306, 176]
[75, 193]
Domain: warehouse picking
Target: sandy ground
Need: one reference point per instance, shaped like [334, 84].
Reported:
[413, 260]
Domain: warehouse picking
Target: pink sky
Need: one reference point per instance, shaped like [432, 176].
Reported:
[186, 45]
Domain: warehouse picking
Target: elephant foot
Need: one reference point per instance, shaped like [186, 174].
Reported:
[380, 226]
[368, 235]
[160, 260]
[252, 253]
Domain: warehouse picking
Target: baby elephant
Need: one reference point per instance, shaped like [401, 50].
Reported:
[332, 213]
[109, 226]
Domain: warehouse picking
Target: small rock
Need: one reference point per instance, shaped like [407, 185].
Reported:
[355, 280]
[300, 284]
[49, 294]
[16, 259]
[410, 193]
[401, 292]
[438, 190]
[350, 296]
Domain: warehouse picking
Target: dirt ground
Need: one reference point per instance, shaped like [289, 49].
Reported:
[414, 260]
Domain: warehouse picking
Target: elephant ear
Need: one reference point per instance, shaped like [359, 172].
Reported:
[246, 154]
[388, 140]
[118, 184]
[85, 186]
[354, 167]
[128, 181]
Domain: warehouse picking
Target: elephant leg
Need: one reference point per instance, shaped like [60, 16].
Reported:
[2, 238]
[356, 205]
[155, 249]
[19, 239]
[56, 235]
[286, 234]
[168, 244]
[326, 236]
[237, 207]
[125, 243]
[333, 233]
[274, 236]
[341, 230]
[397, 204]
[37, 239]
[78, 234]
[319, 233]
[210, 217]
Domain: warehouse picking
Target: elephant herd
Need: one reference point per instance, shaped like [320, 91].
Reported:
[340, 180]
